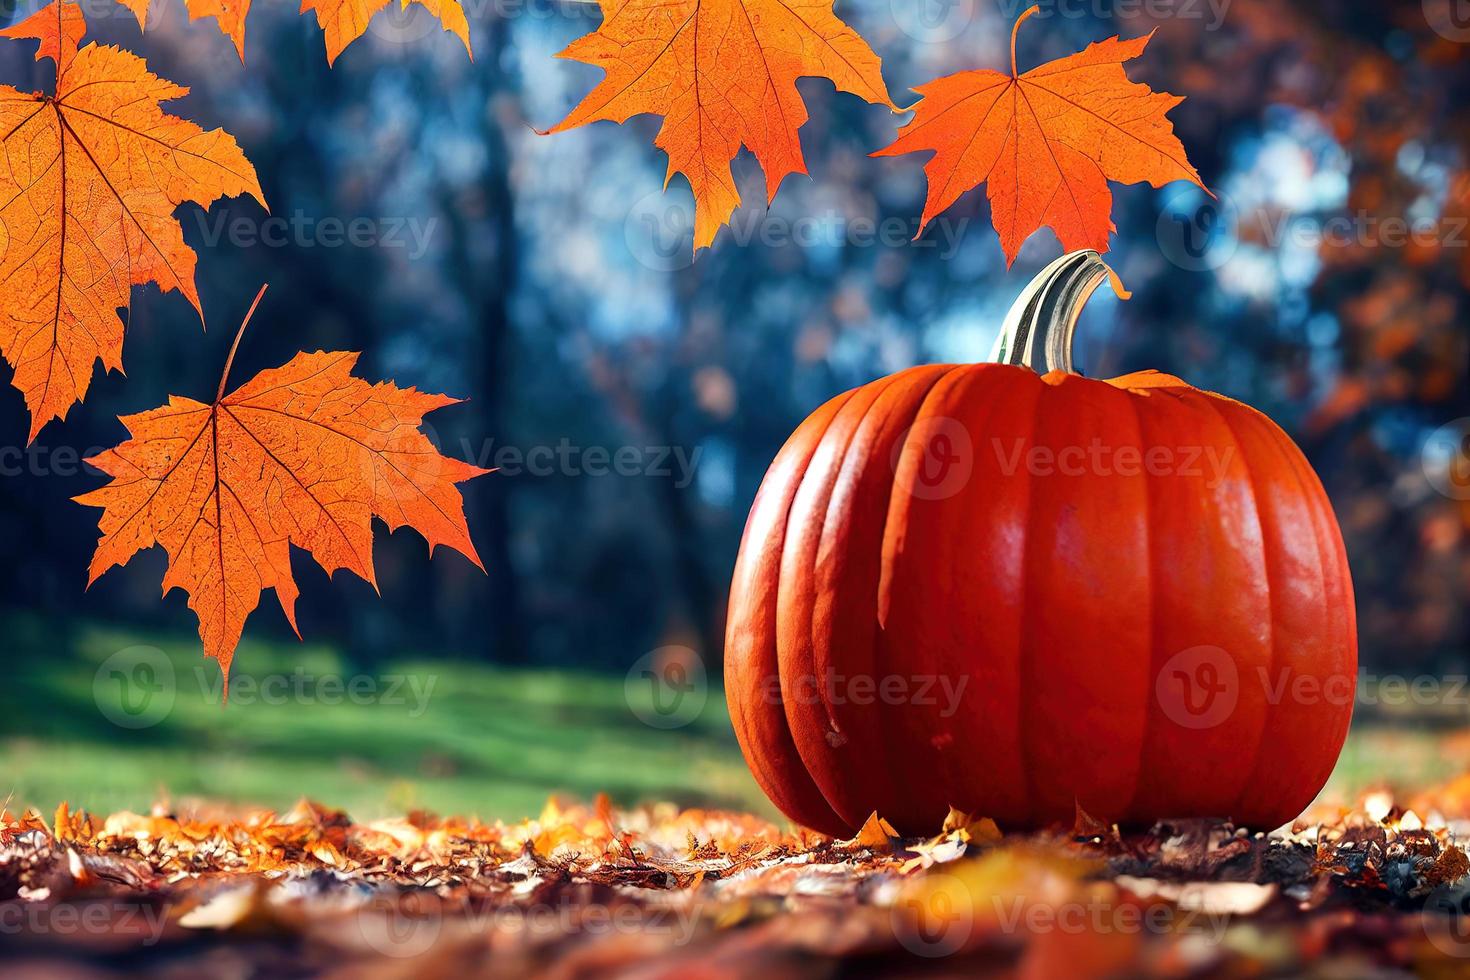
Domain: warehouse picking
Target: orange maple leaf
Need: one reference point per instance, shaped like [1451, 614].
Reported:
[1045, 143]
[343, 21]
[723, 75]
[90, 178]
[229, 14]
[303, 454]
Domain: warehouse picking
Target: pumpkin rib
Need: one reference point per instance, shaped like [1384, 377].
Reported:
[806, 577]
[906, 750]
[1272, 594]
[1078, 549]
[1290, 455]
[1150, 557]
[765, 737]
[1197, 610]
[1334, 560]
[1023, 604]
[1257, 753]
[810, 723]
[852, 515]
[1241, 810]
[945, 565]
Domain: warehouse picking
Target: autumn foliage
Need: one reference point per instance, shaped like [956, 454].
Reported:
[341, 21]
[427, 895]
[305, 455]
[722, 73]
[93, 174]
[1045, 143]
[90, 177]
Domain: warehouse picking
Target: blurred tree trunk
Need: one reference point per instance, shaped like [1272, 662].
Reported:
[488, 290]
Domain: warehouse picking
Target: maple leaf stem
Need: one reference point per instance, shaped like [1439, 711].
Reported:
[1016, 29]
[225, 375]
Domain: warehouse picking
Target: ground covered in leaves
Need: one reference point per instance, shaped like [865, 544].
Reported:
[585, 890]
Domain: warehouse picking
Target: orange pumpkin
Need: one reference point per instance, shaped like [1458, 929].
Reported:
[1017, 592]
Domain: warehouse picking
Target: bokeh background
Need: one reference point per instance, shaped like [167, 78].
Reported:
[549, 281]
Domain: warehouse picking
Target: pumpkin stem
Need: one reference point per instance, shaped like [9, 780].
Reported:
[1037, 332]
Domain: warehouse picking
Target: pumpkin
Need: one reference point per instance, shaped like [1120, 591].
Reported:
[1014, 590]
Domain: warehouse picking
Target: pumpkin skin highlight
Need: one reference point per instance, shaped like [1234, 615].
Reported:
[1050, 637]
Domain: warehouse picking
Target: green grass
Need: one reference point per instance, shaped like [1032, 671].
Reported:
[466, 738]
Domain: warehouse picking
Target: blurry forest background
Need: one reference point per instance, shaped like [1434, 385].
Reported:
[548, 280]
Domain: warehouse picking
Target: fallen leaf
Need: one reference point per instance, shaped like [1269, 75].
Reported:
[875, 834]
[1208, 897]
[722, 74]
[1045, 143]
[303, 454]
[90, 178]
